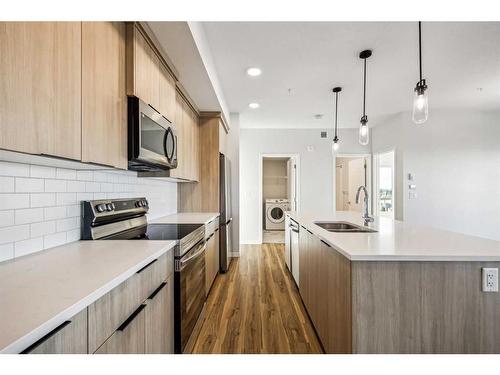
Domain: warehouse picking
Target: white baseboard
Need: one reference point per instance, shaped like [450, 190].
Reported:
[235, 254]
[252, 242]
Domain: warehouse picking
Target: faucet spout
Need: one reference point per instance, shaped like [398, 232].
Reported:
[366, 215]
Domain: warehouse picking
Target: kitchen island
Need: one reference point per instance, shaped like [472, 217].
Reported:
[399, 288]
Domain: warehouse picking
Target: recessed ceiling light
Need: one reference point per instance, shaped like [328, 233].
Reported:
[254, 105]
[254, 72]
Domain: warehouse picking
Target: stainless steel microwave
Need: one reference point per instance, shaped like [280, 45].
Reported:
[152, 139]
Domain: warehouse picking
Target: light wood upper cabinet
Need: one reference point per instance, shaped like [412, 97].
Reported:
[167, 101]
[188, 141]
[40, 86]
[148, 77]
[104, 105]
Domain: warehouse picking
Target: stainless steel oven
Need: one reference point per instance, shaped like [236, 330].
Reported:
[152, 138]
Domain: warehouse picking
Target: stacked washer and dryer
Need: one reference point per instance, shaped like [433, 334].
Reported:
[275, 213]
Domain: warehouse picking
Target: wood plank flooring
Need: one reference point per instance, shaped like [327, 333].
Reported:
[256, 308]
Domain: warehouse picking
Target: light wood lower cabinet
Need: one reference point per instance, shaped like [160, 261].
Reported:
[69, 338]
[160, 319]
[129, 338]
[212, 259]
[40, 87]
[104, 100]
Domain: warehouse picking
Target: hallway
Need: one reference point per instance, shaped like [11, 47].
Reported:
[256, 308]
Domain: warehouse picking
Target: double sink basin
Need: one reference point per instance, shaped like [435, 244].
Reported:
[343, 226]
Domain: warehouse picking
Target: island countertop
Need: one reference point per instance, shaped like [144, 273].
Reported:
[398, 241]
[40, 291]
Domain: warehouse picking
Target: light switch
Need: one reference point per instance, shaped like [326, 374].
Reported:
[412, 186]
[411, 176]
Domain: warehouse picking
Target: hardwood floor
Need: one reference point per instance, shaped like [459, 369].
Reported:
[256, 308]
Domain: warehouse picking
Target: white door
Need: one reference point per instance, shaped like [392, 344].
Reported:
[339, 185]
[356, 179]
[292, 183]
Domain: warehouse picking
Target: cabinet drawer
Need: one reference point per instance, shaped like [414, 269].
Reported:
[153, 274]
[68, 338]
[160, 319]
[129, 338]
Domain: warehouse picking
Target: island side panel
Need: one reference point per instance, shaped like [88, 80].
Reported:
[423, 307]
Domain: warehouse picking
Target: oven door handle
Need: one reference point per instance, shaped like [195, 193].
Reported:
[195, 255]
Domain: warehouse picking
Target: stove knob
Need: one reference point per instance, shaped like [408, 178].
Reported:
[100, 207]
[109, 207]
[138, 204]
[144, 203]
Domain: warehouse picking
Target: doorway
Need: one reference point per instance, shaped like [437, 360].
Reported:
[278, 194]
[351, 172]
[385, 186]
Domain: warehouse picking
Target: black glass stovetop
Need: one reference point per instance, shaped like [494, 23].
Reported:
[169, 231]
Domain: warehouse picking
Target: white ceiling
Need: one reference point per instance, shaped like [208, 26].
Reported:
[311, 58]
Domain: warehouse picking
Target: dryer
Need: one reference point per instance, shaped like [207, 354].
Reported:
[275, 213]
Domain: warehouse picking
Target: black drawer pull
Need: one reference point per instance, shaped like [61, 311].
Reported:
[216, 229]
[309, 231]
[327, 244]
[157, 290]
[209, 237]
[146, 266]
[130, 318]
[45, 338]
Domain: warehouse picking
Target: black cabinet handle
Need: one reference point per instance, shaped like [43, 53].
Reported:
[45, 338]
[146, 266]
[309, 231]
[130, 318]
[326, 243]
[209, 237]
[157, 290]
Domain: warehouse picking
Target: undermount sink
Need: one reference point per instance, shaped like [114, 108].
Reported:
[342, 226]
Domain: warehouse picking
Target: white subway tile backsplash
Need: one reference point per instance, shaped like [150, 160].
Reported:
[29, 185]
[55, 186]
[6, 251]
[14, 233]
[7, 184]
[76, 186]
[85, 175]
[67, 224]
[74, 210]
[66, 174]
[29, 215]
[42, 171]
[7, 218]
[64, 199]
[14, 169]
[55, 239]
[13, 201]
[28, 246]
[52, 213]
[43, 199]
[43, 228]
[40, 206]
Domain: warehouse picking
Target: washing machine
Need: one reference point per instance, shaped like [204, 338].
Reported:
[275, 213]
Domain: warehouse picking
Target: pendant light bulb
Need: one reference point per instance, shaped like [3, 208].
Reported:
[420, 104]
[364, 131]
[335, 145]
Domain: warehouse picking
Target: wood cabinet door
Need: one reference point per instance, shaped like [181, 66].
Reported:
[209, 263]
[104, 105]
[40, 87]
[146, 72]
[167, 93]
[160, 319]
[69, 338]
[303, 266]
[129, 338]
[179, 172]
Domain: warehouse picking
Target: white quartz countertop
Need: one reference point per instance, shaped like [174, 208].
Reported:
[40, 291]
[186, 218]
[399, 241]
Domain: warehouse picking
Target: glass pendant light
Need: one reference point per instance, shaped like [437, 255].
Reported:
[335, 145]
[364, 132]
[420, 102]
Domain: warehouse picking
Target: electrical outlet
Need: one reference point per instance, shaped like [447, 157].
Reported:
[490, 279]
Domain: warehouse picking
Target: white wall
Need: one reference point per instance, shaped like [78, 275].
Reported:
[233, 152]
[316, 169]
[40, 205]
[455, 158]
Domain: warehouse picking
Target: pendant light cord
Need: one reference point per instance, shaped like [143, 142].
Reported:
[420, 47]
[336, 106]
[364, 88]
